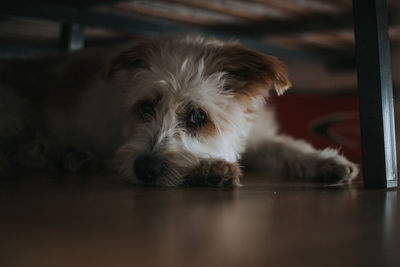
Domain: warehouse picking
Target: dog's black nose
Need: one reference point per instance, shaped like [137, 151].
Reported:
[148, 168]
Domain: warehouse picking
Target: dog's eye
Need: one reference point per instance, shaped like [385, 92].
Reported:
[197, 118]
[146, 110]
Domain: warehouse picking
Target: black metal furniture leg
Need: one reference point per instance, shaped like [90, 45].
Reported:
[375, 93]
[71, 37]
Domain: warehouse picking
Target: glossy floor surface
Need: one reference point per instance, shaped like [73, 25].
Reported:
[99, 221]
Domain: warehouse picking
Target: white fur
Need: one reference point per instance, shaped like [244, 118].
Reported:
[186, 85]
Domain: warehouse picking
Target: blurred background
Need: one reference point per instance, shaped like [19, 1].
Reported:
[313, 37]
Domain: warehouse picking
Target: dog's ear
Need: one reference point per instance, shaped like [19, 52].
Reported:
[134, 58]
[252, 72]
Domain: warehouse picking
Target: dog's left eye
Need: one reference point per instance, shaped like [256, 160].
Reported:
[197, 118]
[147, 110]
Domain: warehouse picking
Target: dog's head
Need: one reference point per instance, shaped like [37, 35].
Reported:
[187, 99]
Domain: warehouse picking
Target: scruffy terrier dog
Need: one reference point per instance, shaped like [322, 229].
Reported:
[168, 111]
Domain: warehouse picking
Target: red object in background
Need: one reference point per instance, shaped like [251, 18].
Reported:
[323, 121]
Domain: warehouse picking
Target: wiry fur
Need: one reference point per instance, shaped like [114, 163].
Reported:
[226, 80]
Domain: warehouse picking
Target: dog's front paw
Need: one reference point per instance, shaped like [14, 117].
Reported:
[335, 169]
[221, 173]
[215, 173]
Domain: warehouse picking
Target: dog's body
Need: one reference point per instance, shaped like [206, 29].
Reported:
[173, 111]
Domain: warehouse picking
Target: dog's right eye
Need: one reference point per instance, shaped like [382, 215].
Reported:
[197, 118]
[146, 110]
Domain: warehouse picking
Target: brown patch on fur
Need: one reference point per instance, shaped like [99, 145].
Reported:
[246, 99]
[208, 130]
[215, 173]
[251, 72]
[136, 57]
[250, 93]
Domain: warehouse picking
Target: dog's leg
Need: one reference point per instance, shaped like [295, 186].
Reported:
[41, 154]
[18, 151]
[215, 173]
[298, 159]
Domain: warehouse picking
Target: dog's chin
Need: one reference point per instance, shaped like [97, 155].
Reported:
[169, 181]
[166, 180]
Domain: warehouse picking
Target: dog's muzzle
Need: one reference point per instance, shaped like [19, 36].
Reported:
[148, 168]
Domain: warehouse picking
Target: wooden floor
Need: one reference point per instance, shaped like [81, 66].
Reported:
[99, 221]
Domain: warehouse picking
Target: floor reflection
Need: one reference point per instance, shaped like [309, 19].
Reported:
[264, 223]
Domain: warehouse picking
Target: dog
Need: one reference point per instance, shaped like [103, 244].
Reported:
[164, 111]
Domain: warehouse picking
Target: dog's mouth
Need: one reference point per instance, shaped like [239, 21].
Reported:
[166, 178]
[165, 170]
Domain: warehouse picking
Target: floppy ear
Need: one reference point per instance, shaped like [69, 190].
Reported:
[253, 73]
[134, 58]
